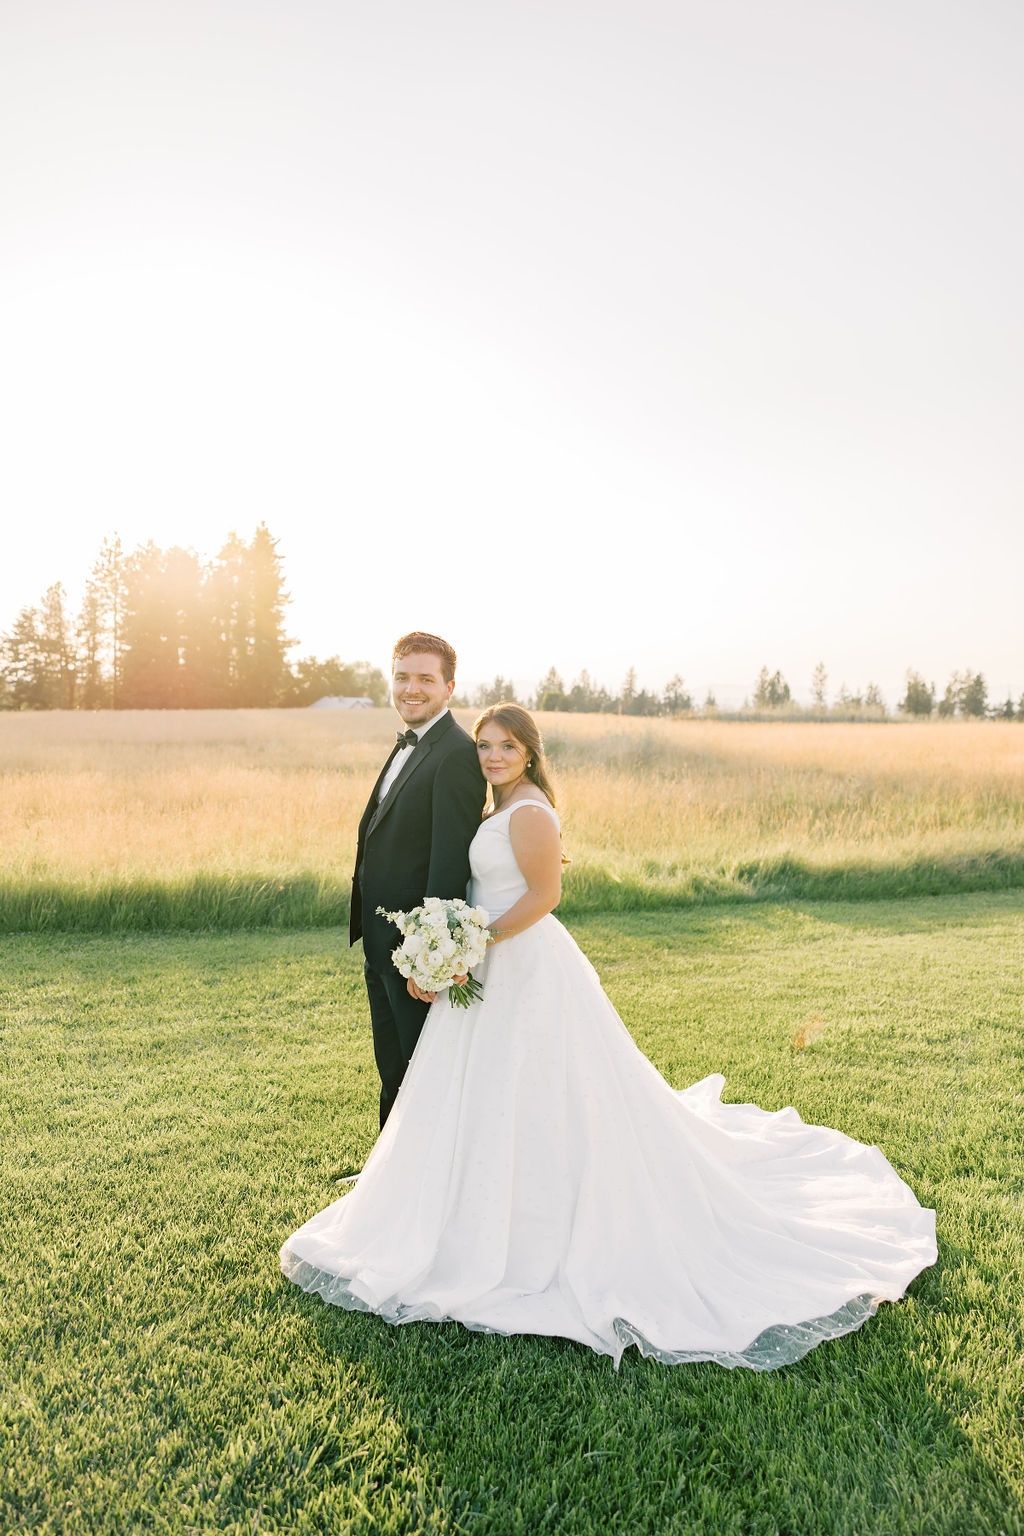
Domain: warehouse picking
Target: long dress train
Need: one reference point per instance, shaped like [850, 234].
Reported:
[538, 1175]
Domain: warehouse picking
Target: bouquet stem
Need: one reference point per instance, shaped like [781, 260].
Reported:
[461, 997]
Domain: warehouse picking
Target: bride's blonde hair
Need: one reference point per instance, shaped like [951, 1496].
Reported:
[520, 724]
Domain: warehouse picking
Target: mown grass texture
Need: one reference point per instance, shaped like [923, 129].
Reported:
[177, 1104]
[210, 819]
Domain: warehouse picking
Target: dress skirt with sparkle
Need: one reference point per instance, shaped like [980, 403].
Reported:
[538, 1175]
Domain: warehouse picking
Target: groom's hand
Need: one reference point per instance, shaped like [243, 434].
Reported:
[415, 991]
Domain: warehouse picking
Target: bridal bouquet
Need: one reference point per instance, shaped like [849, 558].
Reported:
[441, 940]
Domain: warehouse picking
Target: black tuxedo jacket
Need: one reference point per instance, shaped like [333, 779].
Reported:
[416, 843]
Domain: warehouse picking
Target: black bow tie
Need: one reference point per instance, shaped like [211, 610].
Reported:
[407, 738]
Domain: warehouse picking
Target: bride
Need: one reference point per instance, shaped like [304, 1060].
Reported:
[538, 1175]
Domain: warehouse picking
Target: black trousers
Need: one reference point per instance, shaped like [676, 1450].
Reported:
[397, 1020]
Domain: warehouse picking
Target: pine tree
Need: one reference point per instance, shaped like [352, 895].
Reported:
[501, 691]
[108, 583]
[263, 667]
[550, 692]
[676, 700]
[951, 698]
[819, 686]
[56, 650]
[919, 698]
[146, 680]
[23, 664]
[771, 690]
[92, 685]
[973, 695]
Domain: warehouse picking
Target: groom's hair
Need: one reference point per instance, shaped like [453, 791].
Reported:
[431, 645]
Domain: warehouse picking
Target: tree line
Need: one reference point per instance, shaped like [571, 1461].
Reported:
[161, 629]
[966, 696]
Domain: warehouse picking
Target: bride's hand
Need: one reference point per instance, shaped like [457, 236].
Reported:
[459, 981]
[415, 991]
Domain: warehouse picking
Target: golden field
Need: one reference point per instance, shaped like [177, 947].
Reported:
[654, 811]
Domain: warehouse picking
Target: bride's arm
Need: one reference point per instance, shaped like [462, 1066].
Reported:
[533, 833]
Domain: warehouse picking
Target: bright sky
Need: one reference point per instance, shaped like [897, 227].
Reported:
[671, 334]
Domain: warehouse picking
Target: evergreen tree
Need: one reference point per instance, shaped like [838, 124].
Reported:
[645, 703]
[819, 686]
[550, 692]
[56, 650]
[951, 698]
[157, 631]
[873, 698]
[150, 650]
[580, 695]
[502, 690]
[108, 583]
[23, 664]
[263, 665]
[232, 617]
[586, 697]
[216, 636]
[771, 690]
[973, 699]
[676, 700]
[1005, 710]
[184, 609]
[92, 683]
[37, 663]
[629, 692]
[919, 698]
[162, 630]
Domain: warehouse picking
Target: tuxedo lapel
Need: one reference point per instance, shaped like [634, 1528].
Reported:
[371, 805]
[417, 757]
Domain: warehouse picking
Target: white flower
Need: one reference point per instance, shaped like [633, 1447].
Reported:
[441, 940]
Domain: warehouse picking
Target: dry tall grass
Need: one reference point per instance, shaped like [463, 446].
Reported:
[672, 803]
[655, 811]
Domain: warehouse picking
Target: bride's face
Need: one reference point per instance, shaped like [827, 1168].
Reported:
[502, 758]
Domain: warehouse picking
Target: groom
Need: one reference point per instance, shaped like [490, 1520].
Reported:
[414, 840]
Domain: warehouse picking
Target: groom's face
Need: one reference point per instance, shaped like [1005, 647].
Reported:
[418, 687]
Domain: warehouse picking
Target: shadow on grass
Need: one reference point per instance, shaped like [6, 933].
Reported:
[527, 1434]
[226, 902]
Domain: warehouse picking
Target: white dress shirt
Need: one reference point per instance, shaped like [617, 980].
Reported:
[401, 757]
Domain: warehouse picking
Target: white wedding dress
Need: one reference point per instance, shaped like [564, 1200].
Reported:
[538, 1175]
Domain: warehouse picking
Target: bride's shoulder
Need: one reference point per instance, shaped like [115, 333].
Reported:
[540, 801]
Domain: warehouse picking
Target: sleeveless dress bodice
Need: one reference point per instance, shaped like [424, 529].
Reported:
[496, 881]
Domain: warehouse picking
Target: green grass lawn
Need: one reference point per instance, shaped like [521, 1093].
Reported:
[177, 1104]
